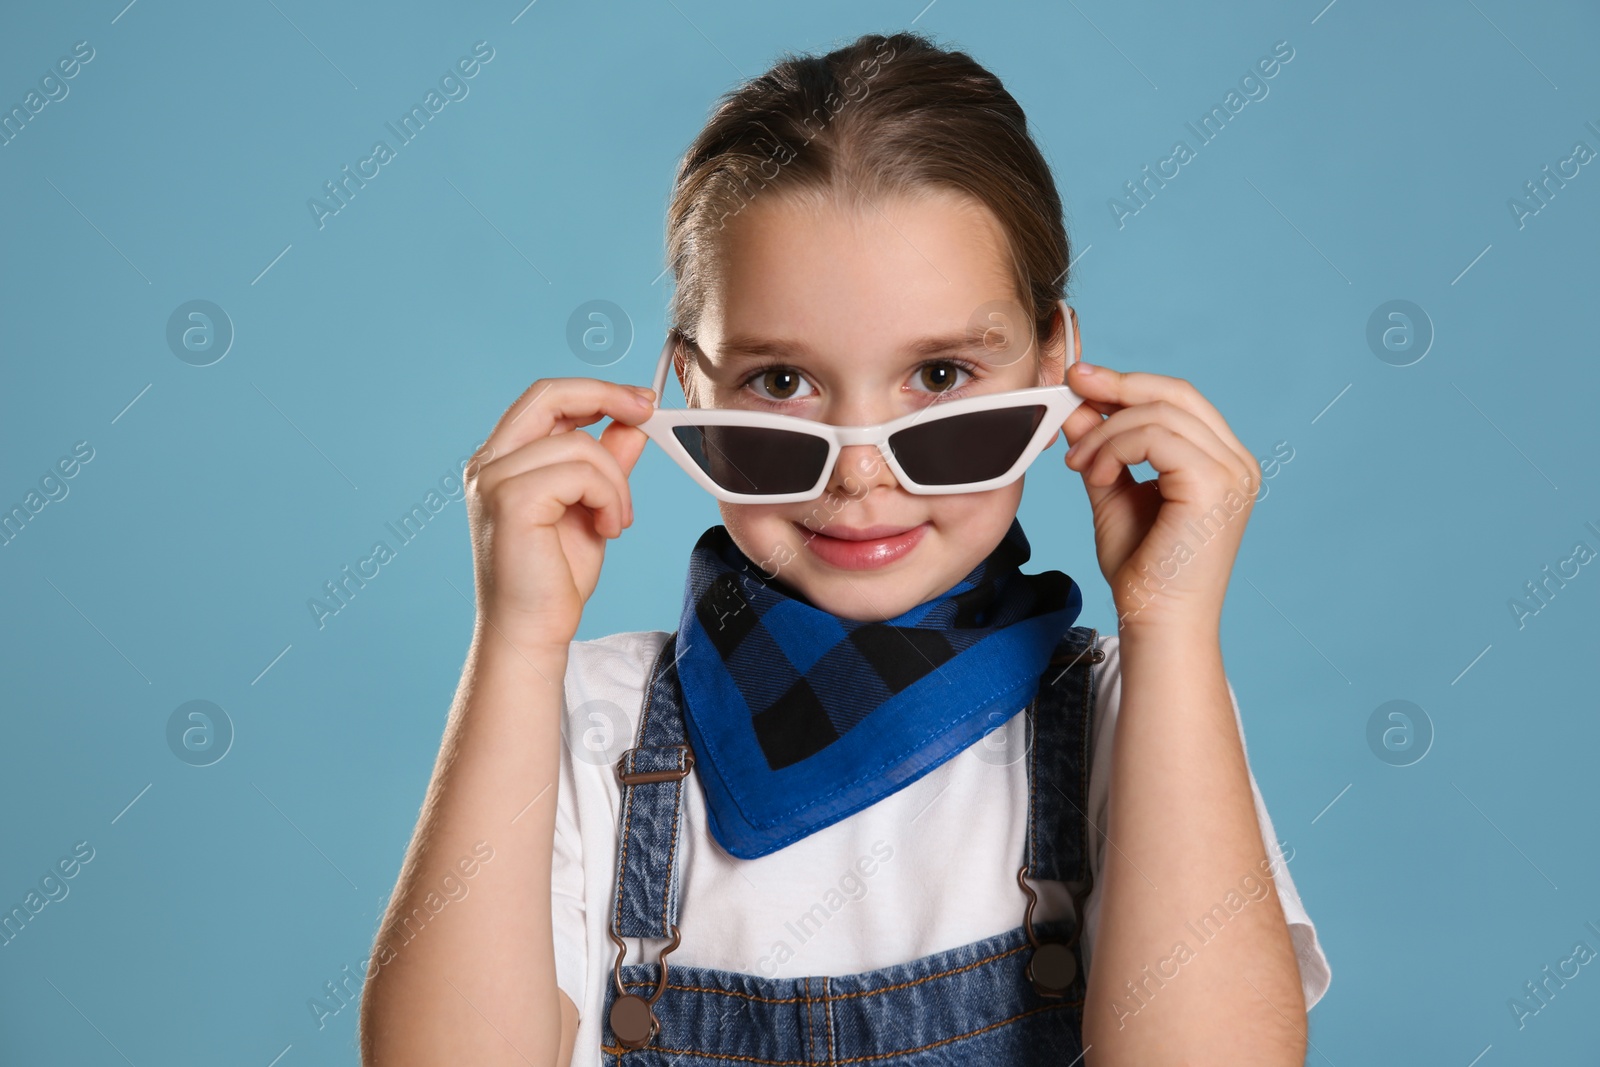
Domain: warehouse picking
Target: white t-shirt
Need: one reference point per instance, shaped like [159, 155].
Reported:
[930, 867]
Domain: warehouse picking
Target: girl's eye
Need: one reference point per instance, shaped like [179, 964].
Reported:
[939, 376]
[778, 383]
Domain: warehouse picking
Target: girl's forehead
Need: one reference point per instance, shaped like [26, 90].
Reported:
[906, 274]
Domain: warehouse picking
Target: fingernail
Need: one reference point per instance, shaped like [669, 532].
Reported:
[1086, 368]
[644, 396]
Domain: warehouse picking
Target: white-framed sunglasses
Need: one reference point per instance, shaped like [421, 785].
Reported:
[955, 446]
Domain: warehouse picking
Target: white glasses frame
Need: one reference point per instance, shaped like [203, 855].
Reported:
[1059, 401]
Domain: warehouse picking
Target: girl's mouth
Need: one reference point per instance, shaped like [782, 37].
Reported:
[863, 549]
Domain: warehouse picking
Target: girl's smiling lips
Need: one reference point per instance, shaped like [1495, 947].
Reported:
[864, 548]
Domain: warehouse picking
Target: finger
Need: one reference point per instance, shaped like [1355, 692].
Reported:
[1128, 388]
[1123, 481]
[558, 448]
[625, 443]
[1175, 418]
[552, 405]
[1084, 417]
[1185, 467]
[549, 491]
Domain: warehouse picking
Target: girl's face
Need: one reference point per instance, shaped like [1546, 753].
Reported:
[853, 316]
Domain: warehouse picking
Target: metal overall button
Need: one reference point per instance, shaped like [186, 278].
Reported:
[1052, 965]
[633, 1018]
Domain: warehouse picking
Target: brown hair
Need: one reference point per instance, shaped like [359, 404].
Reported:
[881, 115]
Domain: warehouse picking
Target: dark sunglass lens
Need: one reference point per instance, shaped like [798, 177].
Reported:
[966, 448]
[755, 459]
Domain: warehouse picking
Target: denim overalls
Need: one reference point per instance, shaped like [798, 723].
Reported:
[1014, 998]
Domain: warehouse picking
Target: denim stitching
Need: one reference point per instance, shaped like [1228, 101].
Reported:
[1033, 780]
[627, 789]
[696, 1053]
[837, 996]
[1087, 706]
[622, 865]
[672, 848]
[827, 1016]
[811, 1037]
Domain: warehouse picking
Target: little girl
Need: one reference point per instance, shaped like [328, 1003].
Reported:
[877, 796]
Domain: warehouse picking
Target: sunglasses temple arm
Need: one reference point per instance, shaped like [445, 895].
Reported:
[1072, 340]
[660, 382]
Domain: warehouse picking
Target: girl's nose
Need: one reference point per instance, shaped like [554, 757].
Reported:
[858, 469]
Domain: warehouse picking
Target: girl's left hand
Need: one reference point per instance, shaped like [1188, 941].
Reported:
[1167, 545]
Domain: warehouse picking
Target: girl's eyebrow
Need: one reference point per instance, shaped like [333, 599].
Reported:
[974, 344]
[752, 347]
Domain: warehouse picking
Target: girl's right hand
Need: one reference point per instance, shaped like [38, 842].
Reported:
[542, 498]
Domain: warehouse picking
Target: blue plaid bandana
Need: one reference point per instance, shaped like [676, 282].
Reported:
[799, 718]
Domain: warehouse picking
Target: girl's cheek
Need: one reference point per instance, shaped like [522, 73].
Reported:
[764, 533]
[756, 528]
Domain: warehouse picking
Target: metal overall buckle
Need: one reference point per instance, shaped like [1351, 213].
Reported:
[669, 775]
[1053, 964]
[633, 1018]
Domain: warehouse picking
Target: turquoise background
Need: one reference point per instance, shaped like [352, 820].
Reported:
[371, 354]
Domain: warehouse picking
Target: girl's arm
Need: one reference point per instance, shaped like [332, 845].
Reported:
[465, 958]
[1185, 850]
[1192, 963]
[476, 982]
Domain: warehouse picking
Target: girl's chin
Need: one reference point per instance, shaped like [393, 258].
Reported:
[854, 602]
[875, 594]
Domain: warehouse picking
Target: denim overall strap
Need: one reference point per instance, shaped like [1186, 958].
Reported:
[652, 775]
[1060, 719]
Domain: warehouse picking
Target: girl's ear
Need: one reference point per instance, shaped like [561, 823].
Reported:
[680, 366]
[1053, 358]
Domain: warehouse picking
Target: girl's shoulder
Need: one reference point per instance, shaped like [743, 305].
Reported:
[619, 659]
[603, 695]
[623, 641]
